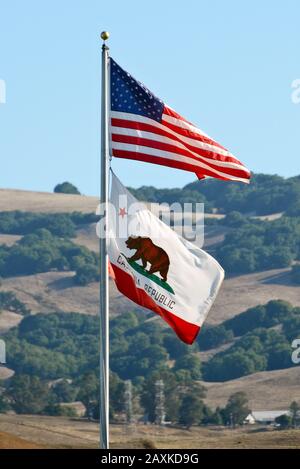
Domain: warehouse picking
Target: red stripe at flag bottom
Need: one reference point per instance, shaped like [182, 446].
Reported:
[185, 330]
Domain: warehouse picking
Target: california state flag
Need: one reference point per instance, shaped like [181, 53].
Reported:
[158, 269]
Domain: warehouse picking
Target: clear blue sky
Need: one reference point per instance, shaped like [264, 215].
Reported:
[225, 65]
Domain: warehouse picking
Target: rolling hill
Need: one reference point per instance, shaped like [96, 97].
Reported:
[56, 291]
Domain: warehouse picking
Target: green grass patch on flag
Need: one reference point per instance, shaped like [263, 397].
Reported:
[138, 268]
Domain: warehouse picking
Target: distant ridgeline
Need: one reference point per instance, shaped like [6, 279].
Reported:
[264, 195]
[250, 244]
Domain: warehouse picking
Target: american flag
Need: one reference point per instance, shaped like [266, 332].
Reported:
[144, 128]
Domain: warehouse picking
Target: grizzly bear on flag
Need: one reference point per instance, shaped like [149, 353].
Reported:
[147, 251]
[194, 275]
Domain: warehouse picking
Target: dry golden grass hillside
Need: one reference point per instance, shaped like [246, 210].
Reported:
[11, 199]
[25, 431]
[203, 438]
[9, 441]
[56, 291]
[266, 390]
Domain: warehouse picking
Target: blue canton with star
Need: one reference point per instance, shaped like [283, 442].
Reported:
[131, 96]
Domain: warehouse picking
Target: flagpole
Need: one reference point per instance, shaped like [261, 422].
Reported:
[104, 293]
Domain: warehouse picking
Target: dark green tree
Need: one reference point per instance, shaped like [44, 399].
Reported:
[295, 413]
[87, 273]
[191, 410]
[277, 311]
[214, 336]
[236, 409]
[9, 301]
[116, 394]
[57, 410]
[175, 347]
[64, 391]
[4, 402]
[89, 392]
[285, 421]
[66, 188]
[189, 362]
[28, 394]
[234, 219]
[296, 274]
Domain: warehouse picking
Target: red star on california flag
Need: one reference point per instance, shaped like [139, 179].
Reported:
[122, 212]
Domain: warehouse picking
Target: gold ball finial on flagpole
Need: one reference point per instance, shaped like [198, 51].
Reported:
[104, 35]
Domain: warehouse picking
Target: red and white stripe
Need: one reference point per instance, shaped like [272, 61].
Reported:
[173, 142]
[125, 283]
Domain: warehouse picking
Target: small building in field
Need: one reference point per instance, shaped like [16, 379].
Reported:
[266, 417]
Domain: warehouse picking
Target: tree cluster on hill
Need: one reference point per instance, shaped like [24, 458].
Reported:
[259, 346]
[65, 345]
[66, 188]
[41, 252]
[10, 302]
[273, 313]
[264, 195]
[185, 402]
[255, 245]
[27, 394]
[54, 345]
[296, 274]
[59, 224]
[131, 333]
[170, 196]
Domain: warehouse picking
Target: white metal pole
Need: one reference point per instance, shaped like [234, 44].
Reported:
[104, 292]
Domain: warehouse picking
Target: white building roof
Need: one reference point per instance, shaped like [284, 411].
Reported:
[267, 415]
